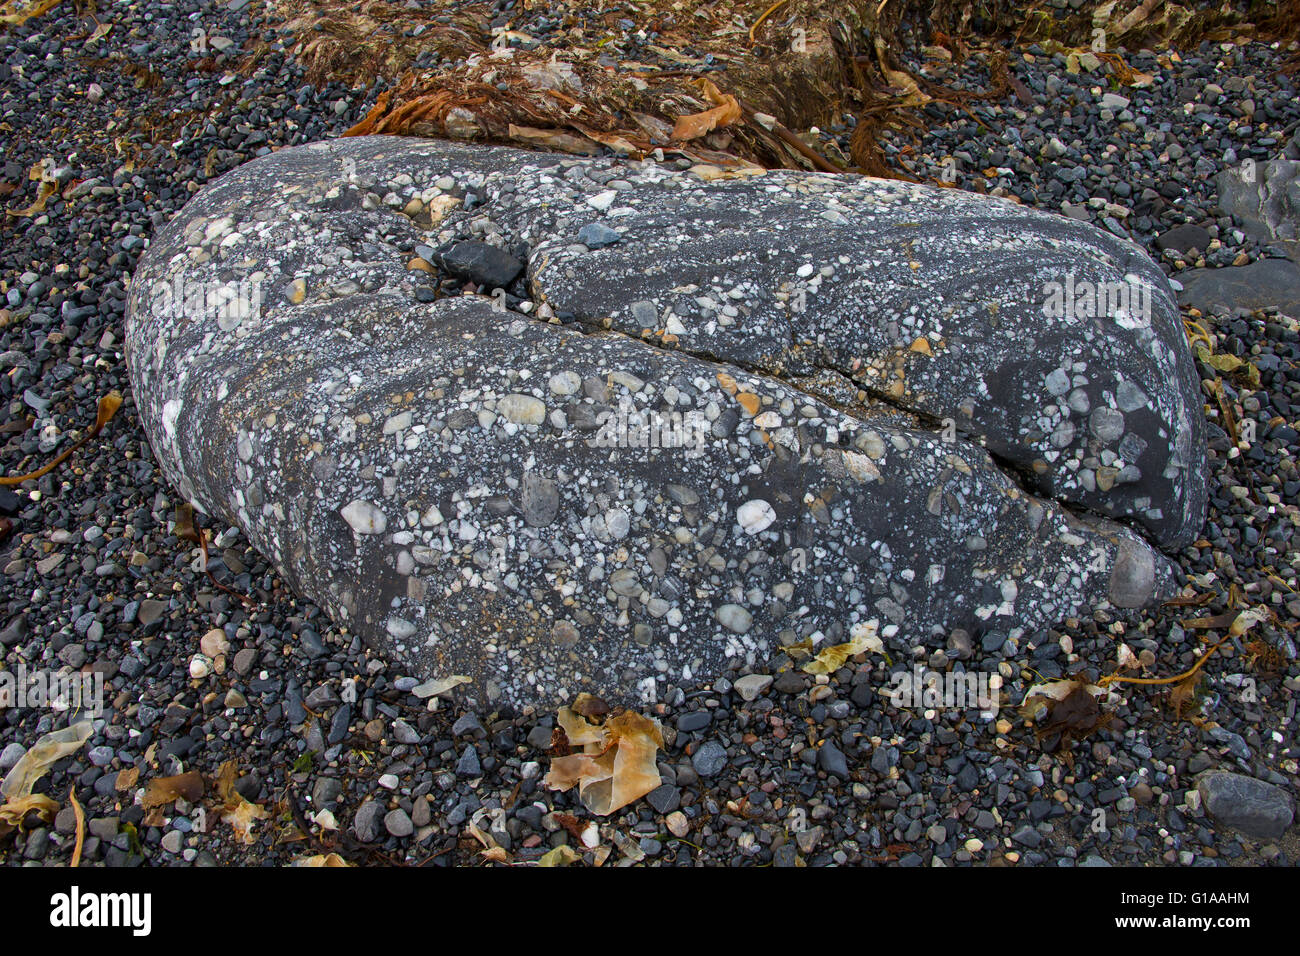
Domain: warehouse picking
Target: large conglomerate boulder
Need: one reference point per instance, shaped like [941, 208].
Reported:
[731, 414]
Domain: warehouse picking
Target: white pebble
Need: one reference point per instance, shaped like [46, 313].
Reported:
[755, 516]
[364, 517]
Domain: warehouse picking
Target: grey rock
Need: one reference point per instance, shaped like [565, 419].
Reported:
[14, 631]
[1254, 807]
[485, 264]
[433, 596]
[790, 682]
[467, 724]
[366, 823]
[709, 759]
[785, 856]
[404, 733]
[1026, 835]
[244, 660]
[339, 724]
[1266, 198]
[693, 720]
[752, 685]
[325, 791]
[12, 753]
[1184, 238]
[421, 812]
[398, 823]
[831, 759]
[103, 827]
[541, 500]
[807, 840]
[665, 798]
[1268, 283]
[468, 765]
[150, 611]
[597, 235]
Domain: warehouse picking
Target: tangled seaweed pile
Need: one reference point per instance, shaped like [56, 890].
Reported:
[728, 85]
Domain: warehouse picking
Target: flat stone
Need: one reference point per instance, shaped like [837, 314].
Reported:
[1184, 238]
[12, 753]
[244, 660]
[752, 685]
[398, 823]
[366, 823]
[541, 500]
[423, 471]
[693, 720]
[597, 235]
[665, 798]
[1267, 283]
[150, 611]
[1252, 806]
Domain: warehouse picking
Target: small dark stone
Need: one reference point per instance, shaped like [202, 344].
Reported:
[468, 765]
[665, 798]
[831, 759]
[482, 263]
[709, 759]
[694, 720]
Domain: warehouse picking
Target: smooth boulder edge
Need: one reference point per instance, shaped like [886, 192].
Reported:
[779, 408]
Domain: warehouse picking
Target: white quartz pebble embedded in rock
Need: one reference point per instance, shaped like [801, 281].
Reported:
[755, 516]
[741, 421]
[365, 517]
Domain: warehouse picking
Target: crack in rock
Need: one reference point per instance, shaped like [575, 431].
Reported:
[694, 472]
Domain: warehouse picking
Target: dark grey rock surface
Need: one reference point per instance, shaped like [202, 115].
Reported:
[1266, 198]
[467, 487]
[1254, 807]
[1265, 284]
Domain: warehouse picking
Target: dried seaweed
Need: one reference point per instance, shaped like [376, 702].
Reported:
[322, 860]
[862, 639]
[617, 765]
[1064, 712]
[233, 808]
[108, 406]
[80, 817]
[34, 764]
[47, 751]
[722, 85]
[164, 790]
[15, 12]
[187, 529]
